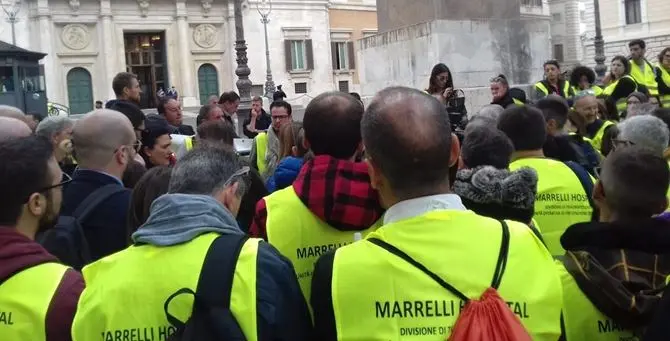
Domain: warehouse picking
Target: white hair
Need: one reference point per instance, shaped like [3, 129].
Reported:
[53, 125]
[645, 131]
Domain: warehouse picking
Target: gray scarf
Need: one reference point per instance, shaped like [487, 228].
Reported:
[179, 218]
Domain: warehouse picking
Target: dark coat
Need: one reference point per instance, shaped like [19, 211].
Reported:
[105, 229]
[263, 122]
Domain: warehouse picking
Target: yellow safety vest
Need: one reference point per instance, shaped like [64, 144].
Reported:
[582, 320]
[189, 143]
[301, 236]
[378, 296]
[597, 140]
[543, 88]
[665, 77]
[597, 91]
[646, 77]
[622, 102]
[24, 301]
[518, 102]
[561, 201]
[125, 292]
[261, 141]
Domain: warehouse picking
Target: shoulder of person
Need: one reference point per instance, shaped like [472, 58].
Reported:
[271, 261]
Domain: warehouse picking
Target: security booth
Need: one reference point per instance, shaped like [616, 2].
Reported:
[22, 83]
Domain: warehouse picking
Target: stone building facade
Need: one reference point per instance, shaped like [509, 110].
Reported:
[188, 44]
[625, 20]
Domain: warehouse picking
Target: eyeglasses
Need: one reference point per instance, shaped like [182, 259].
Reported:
[65, 179]
[616, 143]
[239, 177]
[279, 117]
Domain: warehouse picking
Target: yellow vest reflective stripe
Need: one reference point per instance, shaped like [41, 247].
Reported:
[665, 77]
[560, 201]
[566, 88]
[597, 140]
[378, 296]
[261, 141]
[621, 102]
[582, 320]
[141, 278]
[300, 235]
[24, 301]
[645, 76]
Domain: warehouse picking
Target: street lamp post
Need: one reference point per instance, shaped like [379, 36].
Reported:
[599, 44]
[242, 71]
[12, 10]
[264, 8]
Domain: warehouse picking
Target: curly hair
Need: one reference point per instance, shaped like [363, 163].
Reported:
[579, 72]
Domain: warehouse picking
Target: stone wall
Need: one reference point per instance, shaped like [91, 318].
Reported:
[395, 14]
[475, 51]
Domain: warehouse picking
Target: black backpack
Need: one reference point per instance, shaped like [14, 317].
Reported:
[67, 240]
[211, 318]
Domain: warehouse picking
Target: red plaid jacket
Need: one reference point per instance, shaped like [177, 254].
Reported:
[337, 191]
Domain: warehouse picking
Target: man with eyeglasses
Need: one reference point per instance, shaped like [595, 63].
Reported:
[265, 149]
[38, 296]
[191, 241]
[104, 144]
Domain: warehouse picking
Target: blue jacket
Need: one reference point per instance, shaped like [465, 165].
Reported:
[106, 227]
[281, 309]
[287, 171]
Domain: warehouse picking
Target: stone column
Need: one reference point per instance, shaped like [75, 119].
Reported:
[45, 26]
[110, 66]
[572, 37]
[186, 92]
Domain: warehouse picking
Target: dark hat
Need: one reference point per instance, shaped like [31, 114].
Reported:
[498, 193]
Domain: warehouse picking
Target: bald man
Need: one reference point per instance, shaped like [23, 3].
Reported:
[16, 113]
[331, 199]
[12, 128]
[104, 143]
[410, 148]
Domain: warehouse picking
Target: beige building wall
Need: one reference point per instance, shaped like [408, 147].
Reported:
[350, 26]
[654, 28]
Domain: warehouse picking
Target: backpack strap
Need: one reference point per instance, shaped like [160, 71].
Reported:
[587, 185]
[501, 264]
[497, 277]
[94, 199]
[85, 208]
[392, 249]
[216, 277]
[215, 283]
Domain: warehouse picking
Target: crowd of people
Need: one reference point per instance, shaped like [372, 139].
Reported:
[542, 218]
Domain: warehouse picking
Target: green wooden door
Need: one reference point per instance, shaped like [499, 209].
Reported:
[79, 91]
[208, 82]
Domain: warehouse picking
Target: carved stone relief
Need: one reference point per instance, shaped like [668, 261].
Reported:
[75, 36]
[144, 7]
[206, 6]
[74, 5]
[205, 35]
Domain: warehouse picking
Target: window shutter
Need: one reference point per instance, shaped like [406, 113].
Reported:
[352, 56]
[309, 53]
[333, 54]
[288, 55]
